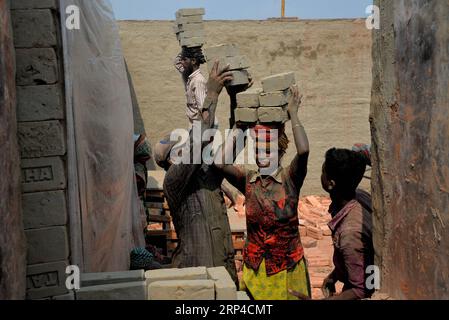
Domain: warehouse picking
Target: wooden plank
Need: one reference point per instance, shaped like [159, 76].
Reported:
[153, 205]
[154, 199]
[157, 233]
[155, 193]
[239, 244]
[155, 211]
[159, 218]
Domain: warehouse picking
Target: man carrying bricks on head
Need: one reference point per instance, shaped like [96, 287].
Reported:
[188, 63]
[195, 198]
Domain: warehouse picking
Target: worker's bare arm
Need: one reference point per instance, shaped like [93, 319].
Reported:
[178, 177]
[215, 84]
[299, 134]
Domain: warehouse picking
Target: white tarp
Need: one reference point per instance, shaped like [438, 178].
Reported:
[105, 221]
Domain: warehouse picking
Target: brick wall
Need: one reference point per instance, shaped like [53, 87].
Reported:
[42, 143]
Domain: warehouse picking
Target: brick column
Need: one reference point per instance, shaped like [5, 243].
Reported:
[42, 142]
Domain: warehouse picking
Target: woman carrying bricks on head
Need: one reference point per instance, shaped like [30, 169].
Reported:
[273, 255]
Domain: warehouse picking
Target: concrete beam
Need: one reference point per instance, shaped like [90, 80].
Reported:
[198, 273]
[103, 278]
[118, 291]
[182, 290]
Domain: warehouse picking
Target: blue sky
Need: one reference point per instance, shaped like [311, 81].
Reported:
[240, 9]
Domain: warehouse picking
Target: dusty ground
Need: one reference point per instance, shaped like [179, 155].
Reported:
[332, 61]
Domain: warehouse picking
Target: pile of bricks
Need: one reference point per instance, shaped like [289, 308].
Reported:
[189, 27]
[317, 240]
[160, 231]
[199, 283]
[127, 285]
[266, 105]
[313, 218]
[229, 54]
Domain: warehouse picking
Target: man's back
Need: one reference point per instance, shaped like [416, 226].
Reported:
[200, 218]
[353, 244]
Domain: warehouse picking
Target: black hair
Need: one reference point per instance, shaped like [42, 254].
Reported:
[194, 53]
[346, 168]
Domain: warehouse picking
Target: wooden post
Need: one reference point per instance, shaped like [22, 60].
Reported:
[283, 9]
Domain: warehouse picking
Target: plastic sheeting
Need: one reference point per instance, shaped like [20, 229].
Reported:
[105, 219]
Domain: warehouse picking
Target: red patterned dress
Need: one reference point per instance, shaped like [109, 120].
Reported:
[272, 219]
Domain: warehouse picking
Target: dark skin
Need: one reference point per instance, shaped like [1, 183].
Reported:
[300, 136]
[190, 66]
[217, 78]
[340, 198]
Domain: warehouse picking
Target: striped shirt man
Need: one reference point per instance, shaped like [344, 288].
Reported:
[196, 91]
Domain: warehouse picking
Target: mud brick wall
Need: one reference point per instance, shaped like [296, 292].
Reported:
[331, 60]
[410, 128]
[12, 238]
[42, 144]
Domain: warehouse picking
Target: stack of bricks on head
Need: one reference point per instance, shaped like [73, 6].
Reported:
[229, 54]
[266, 105]
[189, 27]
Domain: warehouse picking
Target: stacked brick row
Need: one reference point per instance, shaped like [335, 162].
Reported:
[268, 104]
[198, 283]
[189, 27]
[42, 142]
[229, 54]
